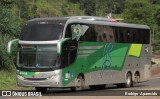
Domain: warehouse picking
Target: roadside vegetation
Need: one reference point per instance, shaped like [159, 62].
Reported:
[8, 81]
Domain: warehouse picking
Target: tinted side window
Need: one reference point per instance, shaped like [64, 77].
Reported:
[118, 35]
[123, 35]
[131, 35]
[104, 33]
[98, 33]
[144, 36]
[90, 34]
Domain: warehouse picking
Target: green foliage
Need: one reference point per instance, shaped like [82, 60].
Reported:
[9, 24]
[26, 10]
[89, 6]
[154, 1]
[156, 46]
[8, 81]
[100, 7]
[51, 8]
[9, 28]
[139, 11]
[7, 3]
[6, 61]
[157, 15]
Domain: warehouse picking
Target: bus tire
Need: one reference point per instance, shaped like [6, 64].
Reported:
[128, 82]
[79, 84]
[96, 87]
[41, 89]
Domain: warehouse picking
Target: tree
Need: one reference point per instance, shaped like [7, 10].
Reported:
[157, 15]
[27, 10]
[9, 28]
[7, 3]
[139, 11]
[154, 1]
[157, 20]
[9, 23]
[89, 6]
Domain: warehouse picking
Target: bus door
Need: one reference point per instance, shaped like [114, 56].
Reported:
[69, 53]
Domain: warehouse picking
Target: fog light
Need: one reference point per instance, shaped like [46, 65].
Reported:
[50, 77]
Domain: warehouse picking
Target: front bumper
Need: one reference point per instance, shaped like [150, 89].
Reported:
[38, 83]
[39, 79]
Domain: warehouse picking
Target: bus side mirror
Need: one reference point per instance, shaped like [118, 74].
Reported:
[11, 45]
[60, 44]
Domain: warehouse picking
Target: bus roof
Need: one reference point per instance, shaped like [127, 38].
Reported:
[48, 20]
[87, 20]
[104, 21]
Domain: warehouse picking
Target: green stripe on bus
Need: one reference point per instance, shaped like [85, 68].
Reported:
[94, 61]
[26, 73]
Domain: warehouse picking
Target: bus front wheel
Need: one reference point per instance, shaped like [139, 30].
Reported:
[79, 84]
[41, 89]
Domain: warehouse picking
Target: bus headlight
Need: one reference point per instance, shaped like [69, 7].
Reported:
[20, 77]
[56, 75]
[53, 76]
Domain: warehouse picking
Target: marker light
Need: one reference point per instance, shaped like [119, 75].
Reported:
[113, 20]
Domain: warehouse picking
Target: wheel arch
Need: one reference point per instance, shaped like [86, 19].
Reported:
[136, 73]
[129, 71]
[82, 75]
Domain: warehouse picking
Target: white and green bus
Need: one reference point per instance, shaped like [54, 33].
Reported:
[81, 51]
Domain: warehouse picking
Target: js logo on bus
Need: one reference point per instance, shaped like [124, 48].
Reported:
[106, 57]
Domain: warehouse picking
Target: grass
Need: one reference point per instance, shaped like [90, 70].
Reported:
[8, 81]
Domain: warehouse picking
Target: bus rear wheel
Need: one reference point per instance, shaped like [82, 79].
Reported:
[41, 89]
[128, 82]
[79, 84]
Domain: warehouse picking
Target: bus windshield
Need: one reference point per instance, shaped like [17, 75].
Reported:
[41, 32]
[38, 56]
